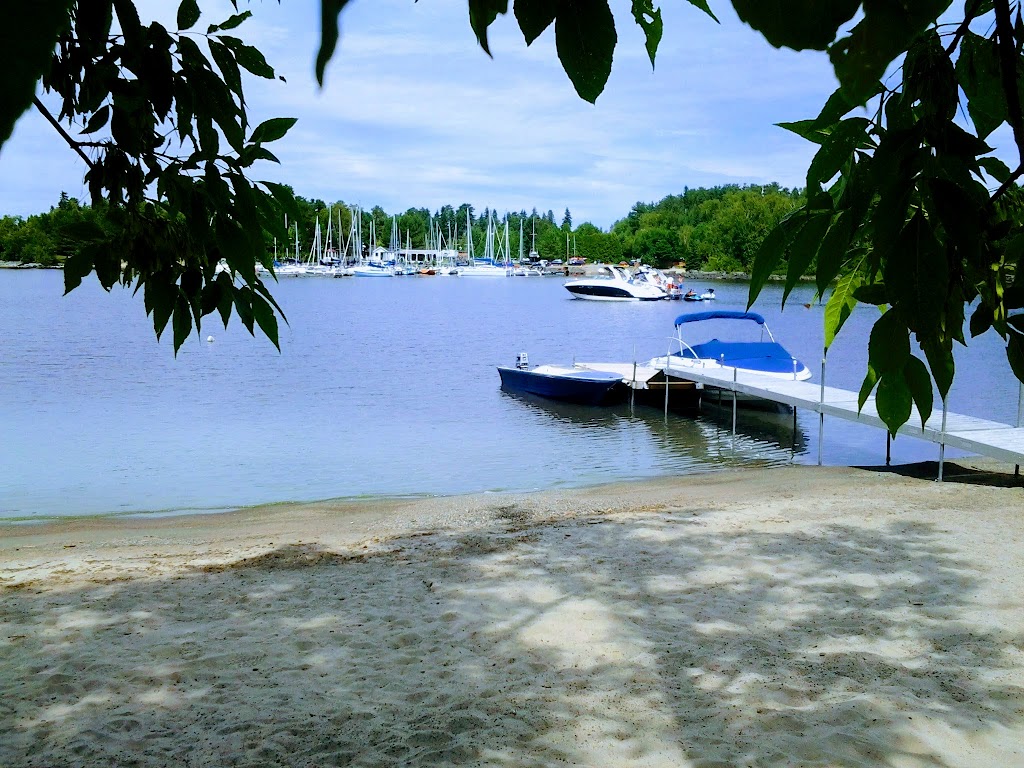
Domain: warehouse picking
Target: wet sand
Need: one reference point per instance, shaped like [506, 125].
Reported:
[798, 616]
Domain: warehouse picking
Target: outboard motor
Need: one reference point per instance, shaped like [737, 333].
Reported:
[522, 361]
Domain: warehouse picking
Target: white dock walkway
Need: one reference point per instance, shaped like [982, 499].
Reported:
[967, 433]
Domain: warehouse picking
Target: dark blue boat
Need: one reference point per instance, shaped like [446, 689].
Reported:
[569, 384]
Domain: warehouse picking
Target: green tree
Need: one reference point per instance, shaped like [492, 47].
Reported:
[657, 246]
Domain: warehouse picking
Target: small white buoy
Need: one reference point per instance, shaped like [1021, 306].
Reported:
[209, 339]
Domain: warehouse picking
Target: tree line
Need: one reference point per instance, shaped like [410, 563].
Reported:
[718, 229]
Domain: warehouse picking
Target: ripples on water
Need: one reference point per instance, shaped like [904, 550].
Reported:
[383, 387]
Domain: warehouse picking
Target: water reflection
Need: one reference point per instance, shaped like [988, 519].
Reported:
[678, 443]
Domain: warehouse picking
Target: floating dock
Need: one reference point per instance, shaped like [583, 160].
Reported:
[967, 433]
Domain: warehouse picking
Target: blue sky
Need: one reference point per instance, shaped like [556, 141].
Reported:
[414, 114]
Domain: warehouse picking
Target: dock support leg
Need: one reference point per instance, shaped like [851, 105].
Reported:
[888, 448]
[632, 387]
[942, 443]
[821, 406]
[793, 446]
[821, 434]
[734, 402]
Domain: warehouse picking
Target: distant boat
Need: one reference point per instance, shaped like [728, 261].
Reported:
[488, 266]
[373, 270]
[559, 382]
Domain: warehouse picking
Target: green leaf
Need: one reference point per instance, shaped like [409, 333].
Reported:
[225, 299]
[917, 275]
[940, 360]
[866, 387]
[840, 305]
[585, 39]
[872, 293]
[803, 249]
[265, 318]
[836, 149]
[807, 129]
[534, 16]
[248, 57]
[228, 66]
[230, 23]
[771, 251]
[833, 250]
[797, 24]
[261, 288]
[996, 168]
[182, 322]
[285, 198]
[128, 18]
[919, 382]
[888, 344]
[160, 295]
[1015, 354]
[649, 19]
[703, 5]
[243, 306]
[108, 268]
[978, 72]
[272, 130]
[329, 12]
[893, 400]
[929, 78]
[98, 120]
[482, 14]
[188, 14]
[76, 267]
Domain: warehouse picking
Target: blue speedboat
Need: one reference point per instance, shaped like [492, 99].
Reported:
[559, 382]
[763, 357]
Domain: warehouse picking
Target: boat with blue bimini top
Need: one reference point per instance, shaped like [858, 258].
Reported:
[569, 384]
[763, 357]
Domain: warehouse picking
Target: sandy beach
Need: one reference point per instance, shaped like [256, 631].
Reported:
[788, 617]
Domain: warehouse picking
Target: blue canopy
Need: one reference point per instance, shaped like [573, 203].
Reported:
[719, 314]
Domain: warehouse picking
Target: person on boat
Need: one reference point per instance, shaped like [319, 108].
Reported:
[691, 292]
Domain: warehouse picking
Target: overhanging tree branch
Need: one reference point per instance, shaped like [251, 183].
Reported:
[60, 129]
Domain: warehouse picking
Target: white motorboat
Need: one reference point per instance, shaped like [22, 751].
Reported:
[645, 285]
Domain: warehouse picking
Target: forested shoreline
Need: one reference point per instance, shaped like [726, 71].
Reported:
[717, 229]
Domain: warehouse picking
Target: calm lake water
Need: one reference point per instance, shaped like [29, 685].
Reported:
[384, 387]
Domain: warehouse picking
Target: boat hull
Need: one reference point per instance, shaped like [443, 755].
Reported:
[594, 292]
[569, 385]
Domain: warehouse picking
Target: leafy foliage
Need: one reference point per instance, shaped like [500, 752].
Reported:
[916, 219]
[165, 135]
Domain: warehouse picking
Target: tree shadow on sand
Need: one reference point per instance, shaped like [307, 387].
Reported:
[635, 640]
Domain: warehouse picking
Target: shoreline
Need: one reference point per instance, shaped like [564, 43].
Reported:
[830, 616]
